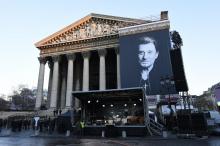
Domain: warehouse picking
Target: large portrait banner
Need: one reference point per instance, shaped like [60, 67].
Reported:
[145, 61]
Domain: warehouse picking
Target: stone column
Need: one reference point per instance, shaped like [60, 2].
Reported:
[71, 59]
[78, 83]
[118, 68]
[86, 56]
[50, 64]
[54, 91]
[63, 88]
[102, 73]
[78, 76]
[40, 84]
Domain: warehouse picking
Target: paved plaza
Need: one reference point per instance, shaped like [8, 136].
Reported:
[28, 138]
[52, 141]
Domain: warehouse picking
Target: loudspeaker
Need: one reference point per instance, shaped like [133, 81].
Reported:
[199, 122]
[178, 70]
[184, 123]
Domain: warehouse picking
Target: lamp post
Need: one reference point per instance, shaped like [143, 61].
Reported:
[167, 82]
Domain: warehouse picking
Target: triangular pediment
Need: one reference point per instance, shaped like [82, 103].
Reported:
[91, 26]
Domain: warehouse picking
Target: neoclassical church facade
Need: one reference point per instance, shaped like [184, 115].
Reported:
[83, 56]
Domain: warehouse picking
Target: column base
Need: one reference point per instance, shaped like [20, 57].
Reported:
[67, 108]
[37, 108]
[52, 108]
[44, 113]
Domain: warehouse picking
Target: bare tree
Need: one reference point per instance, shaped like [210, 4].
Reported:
[23, 98]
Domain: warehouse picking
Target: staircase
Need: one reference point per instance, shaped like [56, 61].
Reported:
[7, 114]
[155, 128]
[49, 113]
[44, 113]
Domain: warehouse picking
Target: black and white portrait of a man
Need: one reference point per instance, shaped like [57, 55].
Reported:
[147, 55]
[144, 59]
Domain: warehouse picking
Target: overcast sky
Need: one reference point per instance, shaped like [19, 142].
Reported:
[24, 22]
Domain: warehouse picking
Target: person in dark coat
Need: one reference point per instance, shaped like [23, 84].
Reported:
[60, 111]
[1, 124]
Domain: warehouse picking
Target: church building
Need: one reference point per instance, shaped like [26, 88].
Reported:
[84, 56]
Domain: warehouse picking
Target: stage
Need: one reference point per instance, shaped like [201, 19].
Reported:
[112, 111]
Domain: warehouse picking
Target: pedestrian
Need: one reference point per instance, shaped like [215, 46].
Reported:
[60, 111]
[78, 129]
[82, 126]
[40, 123]
[13, 125]
[19, 125]
[54, 112]
[1, 124]
[25, 124]
[28, 124]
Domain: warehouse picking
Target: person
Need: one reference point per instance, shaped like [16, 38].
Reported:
[54, 112]
[36, 122]
[82, 126]
[60, 111]
[147, 55]
[1, 124]
[78, 128]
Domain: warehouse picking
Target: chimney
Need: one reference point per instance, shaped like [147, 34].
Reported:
[164, 15]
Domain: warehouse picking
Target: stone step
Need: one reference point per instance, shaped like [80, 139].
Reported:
[7, 114]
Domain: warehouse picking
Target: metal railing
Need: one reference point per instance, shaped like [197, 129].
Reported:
[156, 128]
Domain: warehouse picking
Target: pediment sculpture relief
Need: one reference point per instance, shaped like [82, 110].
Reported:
[86, 31]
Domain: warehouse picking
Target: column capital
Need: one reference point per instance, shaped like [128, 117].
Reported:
[56, 58]
[117, 50]
[50, 64]
[102, 52]
[71, 56]
[42, 60]
[86, 54]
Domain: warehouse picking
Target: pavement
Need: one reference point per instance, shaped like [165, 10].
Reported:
[31, 138]
[29, 133]
[45, 141]
[32, 133]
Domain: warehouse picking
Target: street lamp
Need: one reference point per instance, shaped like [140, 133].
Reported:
[167, 82]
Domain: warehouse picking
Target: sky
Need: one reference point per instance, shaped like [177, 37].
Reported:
[25, 22]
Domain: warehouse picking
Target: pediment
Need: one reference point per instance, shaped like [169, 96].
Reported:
[91, 26]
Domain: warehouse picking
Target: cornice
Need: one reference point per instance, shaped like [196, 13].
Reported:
[158, 25]
[116, 18]
[95, 44]
[80, 41]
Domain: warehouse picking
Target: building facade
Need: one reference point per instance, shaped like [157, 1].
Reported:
[84, 56]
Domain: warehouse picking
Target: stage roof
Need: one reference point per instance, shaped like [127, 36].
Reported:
[117, 94]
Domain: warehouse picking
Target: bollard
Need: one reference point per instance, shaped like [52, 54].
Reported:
[164, 134]
[8, 132]
[67, 133]
[36, 132]
[103, 133]
[124, 134]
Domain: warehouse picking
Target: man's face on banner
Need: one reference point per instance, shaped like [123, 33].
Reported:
[147, 54]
